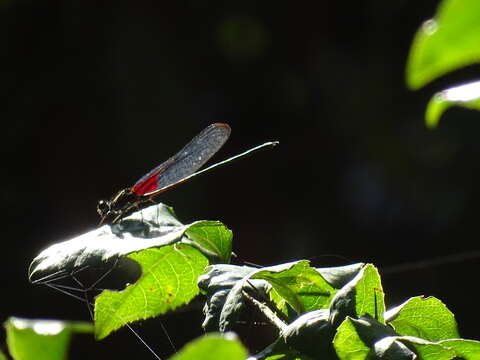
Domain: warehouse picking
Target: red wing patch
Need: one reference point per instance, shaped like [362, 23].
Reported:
[184, 163]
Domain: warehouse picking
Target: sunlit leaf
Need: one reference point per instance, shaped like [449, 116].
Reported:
[169, 280]
[348, 344]
[465, 349]
[295, 283]
[428, 350]
[356, 339]
[389, 348]
[300, 285]
[213, 238]
[361, 296]
[426, 318]
[154, 226]
[448, 41]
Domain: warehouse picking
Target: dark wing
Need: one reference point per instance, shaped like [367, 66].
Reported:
[186, 161]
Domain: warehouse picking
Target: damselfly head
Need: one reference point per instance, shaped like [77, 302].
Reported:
[103, 208]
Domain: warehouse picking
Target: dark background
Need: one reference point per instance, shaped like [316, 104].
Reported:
[94, 94]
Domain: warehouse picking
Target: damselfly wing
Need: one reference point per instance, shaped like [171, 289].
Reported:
[179, 168]
[184, 163]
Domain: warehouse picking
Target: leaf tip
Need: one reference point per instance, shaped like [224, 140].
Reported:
[435, 109]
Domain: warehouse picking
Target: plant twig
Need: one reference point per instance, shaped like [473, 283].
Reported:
[266, 301]
[267, 312]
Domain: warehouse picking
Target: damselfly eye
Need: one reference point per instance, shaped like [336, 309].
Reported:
[103, 207]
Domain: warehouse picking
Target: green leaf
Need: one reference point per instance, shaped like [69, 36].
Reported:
[300, 285]
[428, 350]
[234, 301]
[339, 276]
[440, 350]
[311, 334]
[213, 346]
[286, 356]
[363, 295]
[447, 42]
[348, 344]
[154, 226]
[296, 282]
[467, 96]
[356, 339]
[465, 349]
[390, 348]
[213, 238]
[169, 279]
[351, 342]
[278, 350]
[223, 284]
[426, 318]
[41, 339]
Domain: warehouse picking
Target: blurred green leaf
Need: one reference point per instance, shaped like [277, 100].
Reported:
[169, 279]
[447, 42]
[213, 346]
[41, 339]
[242, 38]
[426, 318]
[467, 96]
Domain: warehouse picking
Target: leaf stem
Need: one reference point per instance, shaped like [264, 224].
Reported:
[267, 312]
